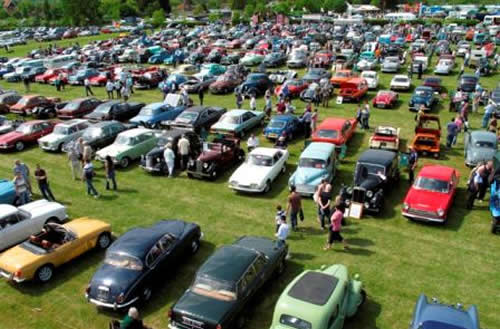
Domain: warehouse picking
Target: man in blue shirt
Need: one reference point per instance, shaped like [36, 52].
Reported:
[452, 128]
[488, 113]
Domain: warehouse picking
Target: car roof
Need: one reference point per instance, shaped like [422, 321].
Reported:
[283, 117]
[314, 287]
[437, 172]
[269, 151]
[335, 123]
[382, 157]
[71, 122]
[237, 112]
[102, 124]
[318, 150]
[135, 132]
[237, 257]
[7, 209]
[484, 135]
[426, 88]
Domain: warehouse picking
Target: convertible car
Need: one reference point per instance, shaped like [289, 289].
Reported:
[385, 99]
[37, 257]
[337, 131]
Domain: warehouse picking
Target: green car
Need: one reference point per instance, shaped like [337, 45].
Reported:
[320, 299]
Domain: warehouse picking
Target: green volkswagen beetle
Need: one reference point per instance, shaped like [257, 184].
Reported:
[320, 299]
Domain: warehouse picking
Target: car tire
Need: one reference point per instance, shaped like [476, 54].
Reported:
[241, 156]
[190, 175]
[53, 220]
[195, 245]
[19, 146]
[51, 115]
[103, 241]
[125, 162]
[44, 273]
[214, 174]
[363, 297]
[146, 294]
[436, 155]
[268, 187]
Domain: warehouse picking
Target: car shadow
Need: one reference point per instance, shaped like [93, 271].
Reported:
[367, 315]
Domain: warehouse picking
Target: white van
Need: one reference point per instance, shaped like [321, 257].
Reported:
[491, 20]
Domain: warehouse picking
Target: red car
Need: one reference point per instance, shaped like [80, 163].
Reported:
[295, 87]
[489, 49]
[431, 196]
[353, 89]
[49, 74]
[234, 44]
[337, 131]
[29, 102]
[77, 108]
[323, 58]
[27, 133]
[101, 79]
[385, 99]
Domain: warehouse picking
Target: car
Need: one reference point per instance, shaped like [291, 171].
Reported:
[281, 76]
[28, 102]
[26, 133]
[47, 110]
[226, 282]
[55, 245]
[32, 73]
[297, 60]
[371, 78]
[238, 122]
[316, 74]
[215, 158]
[63, 133]
[193, 85]
[128, 146]
[400, 83]
[319, 299]
[376, 173]
[317, 162]
[423, 98]
[385, 138]
[479, 146]
[135, 264]
[255, 84]
[385, 99]
[311, 94]
[114, 110]
[6, 126]
[353, 89]
[444, 66]
[463, 48]
[259, 171]
[390, 65]
[210, 70]
[7, 100]
[275, 59]
[18, 224]
[438, 315]
[7, 192]
[341, 76]
[99, 135]
[5, 69]
[428, 136]
[186, 69]
[149, 79]
[287, 125]
[231, 58]
[224, 84]
[419, 60]
[322, 58]
[435, 83]
[101, 79]
[295, 87]
[79, 76]
[367, 61]
[78, 108]
[467, 83]
[15, 76]
[196, 118]
[337, 131]
[159, 57]
[153, 114]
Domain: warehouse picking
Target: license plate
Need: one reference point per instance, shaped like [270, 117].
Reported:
[273, 135]
[381, 104]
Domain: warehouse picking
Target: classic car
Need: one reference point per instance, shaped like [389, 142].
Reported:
[479, 146]
[385, 99]
[311, 94]
[55, 245]
[353, 89]
[149, 79]
[101, 79]
[231, 58]
[376, 173]
[7, 192]
[390, 65]
[224, 84]
[322, 58]
[48, 110]
[6, 125]
[275, 59]
[7, 100]
[18, 224]
[251, 59]
[418, 61]
[427, 136]
[5, 69]
[238, 122]
[367, 61]
[196, 118]
[344, 61]
[15, 76]
[317, 162]
[128, 146]
[227, 282]
[316, 74]
[467, 83]
[319, 299]
[341, 76]
[281, 76]
[400, 83]
[337, 131]
[114, 110]
[294, 86]
[446, 316]
[28, 102]
[216, 156]
[255, 84]
[444, 66]
[159, 57]
[463, 48]
[172, 82]
[386, 138]
[154, 162]
[136, 262]
[154, 113]
[423, 97]
[193, 84]
[210, 70]
[186, 69]
[32, 73]
[434, 82]
[297, 60]
[371, 78]
[287, 125]
[99, 135]
[79, 76]
[259, 171]
[78, 108]
[26, 133]
[63, 133]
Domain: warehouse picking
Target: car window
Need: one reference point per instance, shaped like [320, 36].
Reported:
[153, 255]
[72, 130]
[259, 264]
[36, 128]
[45, 125]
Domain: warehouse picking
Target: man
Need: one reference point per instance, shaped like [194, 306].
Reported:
[183, 150]
[74, 159]
[109, 89]
[27, 82]
[412, 164]
[283, 230]
[420, 70]
[252, 142]
[88, 177]
[185, 96]
[488, 113]
[452, 129]
[253, 103]
[43, 185]
[462, 69]
[294, 207]
[325, 95]
[473, 188]
[486, 172]
[201, 95]
[25, 172]
[88, 90]
[21, 187]
[306, 121]
[466, 59]
[169, 157]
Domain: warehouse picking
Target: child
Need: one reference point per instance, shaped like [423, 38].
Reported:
[279, 213]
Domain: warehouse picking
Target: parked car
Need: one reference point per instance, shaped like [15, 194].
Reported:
[316, 74]
[353, 89]
[237, 122]
[400, 83]
[297, 60]
[337, 131]
[114, 110]
[319, 299]
[28, 102]
[47, 110]
[152, 114]
[149, 79]
[7, 100]
[7, 192]
[435, 83]
[224, 84]
[255, 84]
[193, 84]
[423, 97]
[37, 257]
[431, 196]
[79, 76]
[99, 135]
[371, 78]
[219, 296]
[341, 76]
[428, 136]
[47, 75]
[311, 94]
[385, 99]
[390, 65]
[78, 108]
[295, 87]
[63, 133]
[479, 146]
[467, 83]
[385, 138]
[32, 72]
[26, 133]
[252, 59]
[6, 126]
[444, 66]
[196, 118]
[136, 262]
[287, 125]
[18, 224]
[275, 59]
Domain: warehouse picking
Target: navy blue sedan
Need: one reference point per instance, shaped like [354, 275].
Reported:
[284, 123]
[138, 260]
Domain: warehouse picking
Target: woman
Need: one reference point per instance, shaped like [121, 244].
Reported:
[334, 232]
[88, 176]
[314, 120]
[109, 166]
[325, 199]
[316, 197]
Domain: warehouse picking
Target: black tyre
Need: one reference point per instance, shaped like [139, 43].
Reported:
[44, 273]
[195, 245]
[363, 297]
[104, 240]
[268, 187]
[19, 146]
[124, 163]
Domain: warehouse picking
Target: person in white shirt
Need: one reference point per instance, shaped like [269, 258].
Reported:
[88, 90]
[253, 103]
[169, 157]
[283, 231]
[109, 89]
[183, 150]
[252, 142]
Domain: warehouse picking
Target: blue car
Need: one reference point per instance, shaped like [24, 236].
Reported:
[7, 192]
[317, 162]
[81, 75]
[158, 58]
[152, 114]
[286, 124]
[435, 315]
[172, 83]
[423, 96]
[178, 55]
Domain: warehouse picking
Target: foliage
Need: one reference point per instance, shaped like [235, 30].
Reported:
[238, 4]
[249, 10]
[82, 12]
[158, 18]
[110, 9]
[236, 18]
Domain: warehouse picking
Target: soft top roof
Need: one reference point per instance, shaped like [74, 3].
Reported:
[314, 287]
[381, 157]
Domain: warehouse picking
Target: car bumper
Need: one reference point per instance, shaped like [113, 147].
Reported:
[10, 277]
[416, 107]
[305, 190]
[114, 306]
[49, 147]
[400, 87]
[151, 169]
[6, 146]
[422, 218]
[244, 188]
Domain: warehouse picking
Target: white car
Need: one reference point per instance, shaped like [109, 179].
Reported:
[391, 64]
[18, 224]
[64, 132]
[371, 78]
[444, 66]
[463, 48]
[261, 168]
[400, 82]
[366, 64]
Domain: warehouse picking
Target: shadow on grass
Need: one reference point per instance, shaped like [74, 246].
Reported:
[360, 242]
[367, 315]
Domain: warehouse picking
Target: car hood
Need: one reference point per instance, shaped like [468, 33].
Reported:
[277, 131]
[370, 183]
[10, 137]
[141, 118]
[209, 156]
[52, 138]
[419, 99]
[16, 258]
[118, 280]
[225, 126]
[382, 98]
[41, 207]
[248, 174]
[426, 200]
[203, 308]
[112, 150]
[157, 151]
[308, 175]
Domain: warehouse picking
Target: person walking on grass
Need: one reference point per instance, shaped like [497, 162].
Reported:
[183, 147]
[109, 167]
[201, 95]
[21, 188]
[279, 213]
[412, 164]
[88, 177]
[452, 130]
[26, 82]
[88, 89]
[283, 231]
[43, 184]
[74, 161]
[109, 89]
[335, 227]
[239, 100]
[25, 172]
[294, 207]
[169, 157]
[325, 199]
[253, 103]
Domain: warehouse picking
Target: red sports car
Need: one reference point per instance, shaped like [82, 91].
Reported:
[385, 99]
[49, 74]
[29, 102]
[431, 196]
[337, 131]
[295, 87]
[27, 133]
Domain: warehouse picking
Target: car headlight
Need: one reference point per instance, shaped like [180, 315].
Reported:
[369, 194]
[191, 162]
[367, 205]
[158, 159]
[205, 165]
[347, 202]
[440, 212]
[254, 185]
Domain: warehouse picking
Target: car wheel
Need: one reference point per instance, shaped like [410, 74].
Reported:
[283, 169]
[124, 162]
[19, 146]
[268, 187]
[436, 155]
[363, 297]
[146, 294]
[51, 114]
[104, 240]
[214, 174]
[195, 245]
[44, 273]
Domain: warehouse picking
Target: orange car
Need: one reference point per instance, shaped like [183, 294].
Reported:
[28, 102]
[341, 76]
[353, 89]
[469, 35]
[427, 136]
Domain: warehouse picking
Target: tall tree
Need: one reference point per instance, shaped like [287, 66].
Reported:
[81, 12]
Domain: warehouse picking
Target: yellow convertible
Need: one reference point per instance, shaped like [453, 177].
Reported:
[37, 257]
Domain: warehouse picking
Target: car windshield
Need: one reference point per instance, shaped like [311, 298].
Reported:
[368, 75]
[24, 129]
[187, 117]
[24, 101]
[72, 106]
[294, 322]
[327, 133]
[277, 124]
[230, 119]
[312, 163]
[209, 287]
[485, 144]
[431, 184]
[148, 111]
[91, 133]
[123, 261]
[124, 140]
[402, 80]
[104, 108]
[364, 170]
[61, 130]
[260, 160]
[420, 92]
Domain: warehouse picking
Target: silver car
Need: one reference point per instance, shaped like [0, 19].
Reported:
[62, 134]
[391, 64]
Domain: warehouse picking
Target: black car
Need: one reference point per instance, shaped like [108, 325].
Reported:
[275, 59]
[226, 283]
[230, 59]
[154, 162]
[255, 84]
[467, 83]
[136, 263]
[316, 74]
[376, 170]
[115, 110]
[47, 111]
[197, 117]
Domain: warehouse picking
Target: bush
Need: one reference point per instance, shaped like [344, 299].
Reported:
[466, 22]
[236, 18]
[158, 18]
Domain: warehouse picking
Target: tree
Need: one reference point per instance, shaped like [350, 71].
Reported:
[249, 10]
[338, 6]
[47, 11]
[237, 4]
[236, 19]
[81, 12]
[158, 18]
[110, 9]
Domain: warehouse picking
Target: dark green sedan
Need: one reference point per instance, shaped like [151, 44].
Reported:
[226, 282]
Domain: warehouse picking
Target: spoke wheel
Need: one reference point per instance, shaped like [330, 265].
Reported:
[45, 273]
[104, 241]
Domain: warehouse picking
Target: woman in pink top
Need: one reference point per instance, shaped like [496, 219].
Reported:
[334, 232]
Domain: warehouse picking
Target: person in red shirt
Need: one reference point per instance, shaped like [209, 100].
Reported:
[334, 231]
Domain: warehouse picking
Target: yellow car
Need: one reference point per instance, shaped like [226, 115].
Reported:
[37, 257]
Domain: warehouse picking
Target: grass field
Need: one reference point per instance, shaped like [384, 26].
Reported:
[397, 260]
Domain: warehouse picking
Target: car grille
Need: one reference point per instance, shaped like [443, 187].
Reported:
[103, 293]
[189, 323]
[358, 195]
[423, 213]
[305, 188]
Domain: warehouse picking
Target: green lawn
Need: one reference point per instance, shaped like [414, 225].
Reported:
[396, 260]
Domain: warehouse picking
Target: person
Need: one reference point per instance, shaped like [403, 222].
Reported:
[253, 103]
[489, 110]
[129, 82]
[294, 207]
[252, 142]
[57, 83]
[183, 150]
[492, 127]
[421, 111]
[477, 73]
[88, 90]
[26, 81]
[335, 227]
[87, 151]
[25, 172]
[268, 107]
[43, 185]
[462, 70]
[131, 320]
[486, 172]
[452, 130]
[88, 177]
[109, 167]
[21, 188]
[118, 88]
[358, 113]
[185, 96]
[74, 159]
[365, 117]
[62, 81]
[201, 95]
[467, 58]
[475, 101]
[420, 71]
[125, 92]
[314, 120]
[306, 121]
[279, 213]
[325, 199]
[283, 230]
[239, 100]
[412, 164]
[280, 107]
[109, 89]
[169, 157]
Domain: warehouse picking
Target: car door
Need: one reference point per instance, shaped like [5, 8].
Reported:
[37, 131]
[453, 189]
[12, 231]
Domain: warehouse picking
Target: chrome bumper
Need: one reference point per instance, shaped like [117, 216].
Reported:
[423, 218]
[109, 305]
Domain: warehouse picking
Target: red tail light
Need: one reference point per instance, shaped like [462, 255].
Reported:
[18, 274]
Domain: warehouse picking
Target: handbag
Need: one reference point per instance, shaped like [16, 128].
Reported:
[301, 215]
